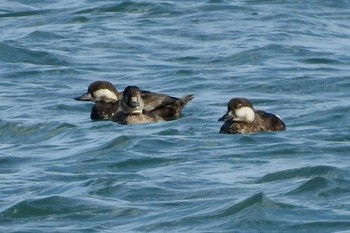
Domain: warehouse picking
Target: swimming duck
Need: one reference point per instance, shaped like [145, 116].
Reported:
[132, 109]
[106, 98]
[242, 118]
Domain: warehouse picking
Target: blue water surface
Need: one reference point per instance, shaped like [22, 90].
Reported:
[62, 172]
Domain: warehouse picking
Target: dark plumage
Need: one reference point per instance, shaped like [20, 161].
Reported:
[106, 98]
[104, 110]
[131, 109]
[242, 118]
[165, 106]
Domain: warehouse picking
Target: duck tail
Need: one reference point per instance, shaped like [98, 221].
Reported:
[185, 99]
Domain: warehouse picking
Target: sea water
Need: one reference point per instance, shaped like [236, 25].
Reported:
[62, 172]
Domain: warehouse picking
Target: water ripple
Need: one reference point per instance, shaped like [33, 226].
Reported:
[253, 205]
[16, 54]
[63, 172]
[12, 132]
[328, 171]
[322, 187]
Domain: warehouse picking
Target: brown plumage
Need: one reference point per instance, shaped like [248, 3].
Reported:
[131, 109]
[242, 118]
[106, 98]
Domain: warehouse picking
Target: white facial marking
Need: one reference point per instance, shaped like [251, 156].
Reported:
[244, 114]
[132, 109]
[230, 115]
[105, 94]
[134, 99]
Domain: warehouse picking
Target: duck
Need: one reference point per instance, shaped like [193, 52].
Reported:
[132, 109]
[106, 98]
[242, 118]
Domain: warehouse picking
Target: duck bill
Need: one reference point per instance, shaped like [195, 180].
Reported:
[224, 117]
[86, 97]
[135, 107]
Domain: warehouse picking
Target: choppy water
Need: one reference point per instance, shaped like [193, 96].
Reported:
[61, 172]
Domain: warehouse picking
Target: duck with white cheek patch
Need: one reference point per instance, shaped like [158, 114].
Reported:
[106, 98]
[131, 109]
[242, 118]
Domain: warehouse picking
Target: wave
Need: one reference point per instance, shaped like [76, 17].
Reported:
[303, 172]
[66, 207]
[252, 204]
[163, 8]
[323, 187]
[24, 13]
[17, 54]
[247, 214]
[14, 132]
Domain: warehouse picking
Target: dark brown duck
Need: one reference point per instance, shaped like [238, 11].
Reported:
[242, 118]
[131, 109]
[106, 98]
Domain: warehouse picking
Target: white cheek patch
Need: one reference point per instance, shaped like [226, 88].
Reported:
[245, 114]
[105, 94]
[230, 115]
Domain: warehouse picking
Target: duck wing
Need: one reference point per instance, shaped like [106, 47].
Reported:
[270, 122]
